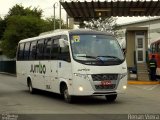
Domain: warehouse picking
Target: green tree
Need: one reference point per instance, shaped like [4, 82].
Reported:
[50, 23]
[21, 23]
[21, 11]
[103, 24]
[2, 27]
[19, 27]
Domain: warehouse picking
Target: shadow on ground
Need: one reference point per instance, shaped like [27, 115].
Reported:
[85, 100]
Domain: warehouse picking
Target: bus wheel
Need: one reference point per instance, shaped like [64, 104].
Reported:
[111, 98]
[68, 98]
[31, 89]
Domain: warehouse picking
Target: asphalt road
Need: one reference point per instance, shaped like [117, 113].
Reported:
[15, 99]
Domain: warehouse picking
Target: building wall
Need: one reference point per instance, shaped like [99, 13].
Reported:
[130, 46]
[153, 29]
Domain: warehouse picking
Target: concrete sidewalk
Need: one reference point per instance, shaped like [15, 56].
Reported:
[133, 81]
[142, 82]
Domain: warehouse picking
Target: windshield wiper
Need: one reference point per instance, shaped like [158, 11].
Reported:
[114, 57]
[97, 58]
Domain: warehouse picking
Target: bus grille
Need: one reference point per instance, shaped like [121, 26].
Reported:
[100, 87]
[100, 77]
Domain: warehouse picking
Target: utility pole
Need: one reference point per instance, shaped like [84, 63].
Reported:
[67, 20]
[60, 23]
[54, 7]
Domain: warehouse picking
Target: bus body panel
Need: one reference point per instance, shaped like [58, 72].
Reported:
[155, 50]
[51, 80]
[41, 72]
[82, 77]
[64, 74]
[23, 71]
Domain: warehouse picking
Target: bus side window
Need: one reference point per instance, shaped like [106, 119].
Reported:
[158, 47]
[64, 51]
[20, 51]
[64, 37]
[55, 49]
[26, 51]
[47, 49]
[64, 54]
[153, 48]
[32, 54]
[40, 48]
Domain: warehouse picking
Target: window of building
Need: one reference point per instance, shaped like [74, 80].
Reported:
[140, 33]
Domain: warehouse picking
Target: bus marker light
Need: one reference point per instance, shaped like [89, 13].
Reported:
[81, 88]
[124, 87]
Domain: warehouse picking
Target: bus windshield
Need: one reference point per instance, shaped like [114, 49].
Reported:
[96, 49]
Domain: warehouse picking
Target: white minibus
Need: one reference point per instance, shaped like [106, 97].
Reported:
[73, 63]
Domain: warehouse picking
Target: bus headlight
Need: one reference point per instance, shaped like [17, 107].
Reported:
[122, 75]
[80, 88]
[81, 75]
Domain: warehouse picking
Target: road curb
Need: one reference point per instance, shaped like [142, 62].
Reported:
[143, 82]
[4, 73]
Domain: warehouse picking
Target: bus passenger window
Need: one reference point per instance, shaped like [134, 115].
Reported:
[47, 49]
[64, 54]
[26, 51]
[64, 37]
[33, 51]
[158, 47]
[40, 47]
[55, 50]
[20, 51]
[153, 48]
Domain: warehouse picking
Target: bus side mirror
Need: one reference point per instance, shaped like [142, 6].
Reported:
[124, 52]
[63, 43]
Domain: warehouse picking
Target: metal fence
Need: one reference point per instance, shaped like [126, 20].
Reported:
[8, 66]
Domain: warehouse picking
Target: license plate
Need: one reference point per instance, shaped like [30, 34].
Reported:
[106, 82]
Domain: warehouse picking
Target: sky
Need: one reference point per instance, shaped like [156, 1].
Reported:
[47, 7]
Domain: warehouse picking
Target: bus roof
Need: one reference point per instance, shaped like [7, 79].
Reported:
[87, 31]
[64, 31]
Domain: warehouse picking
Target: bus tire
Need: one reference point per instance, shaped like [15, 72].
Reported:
[68, 98]
[30, 87]
[111, 98]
